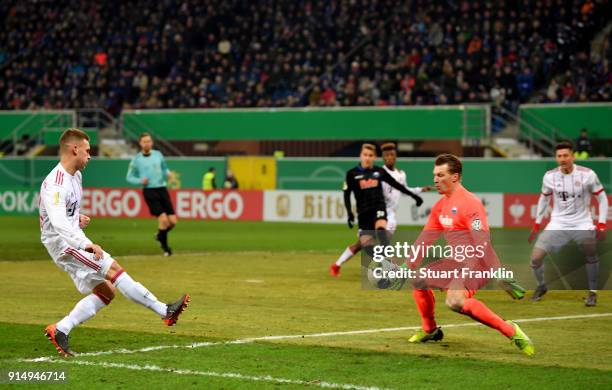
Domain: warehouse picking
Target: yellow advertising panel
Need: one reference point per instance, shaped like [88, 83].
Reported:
[254, 173]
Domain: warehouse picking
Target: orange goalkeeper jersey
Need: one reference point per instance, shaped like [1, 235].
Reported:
[460, 211]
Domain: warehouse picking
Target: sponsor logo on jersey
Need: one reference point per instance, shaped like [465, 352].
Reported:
[564, 195]
[71, 209]
[446, 221]
[369, 183]
[476, 224]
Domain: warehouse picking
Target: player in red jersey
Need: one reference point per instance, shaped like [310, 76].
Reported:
[461, 218]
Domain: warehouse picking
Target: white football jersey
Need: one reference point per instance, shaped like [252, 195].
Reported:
[392, 195]
[60, 204]
[571, 197]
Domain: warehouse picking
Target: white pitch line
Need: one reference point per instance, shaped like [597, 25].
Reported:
[214, 374]
[310, 335]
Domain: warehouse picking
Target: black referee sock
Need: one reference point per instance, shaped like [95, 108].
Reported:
[162, 234]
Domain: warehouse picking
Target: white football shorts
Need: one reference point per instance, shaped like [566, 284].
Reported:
[552, 241]
[86, 272]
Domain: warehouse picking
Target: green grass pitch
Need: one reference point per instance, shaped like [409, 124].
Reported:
[256, 289]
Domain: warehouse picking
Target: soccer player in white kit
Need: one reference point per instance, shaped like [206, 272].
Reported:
[392, 196]
[571, 187]
[389, 154]
[93, 271]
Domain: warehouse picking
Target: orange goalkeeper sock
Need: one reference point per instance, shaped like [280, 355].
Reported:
[481, 313]
[426, 302]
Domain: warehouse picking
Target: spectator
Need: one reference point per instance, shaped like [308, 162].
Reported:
[211, 54]
[525, 84]
[552, 92]
[23, 145]
[568, 92]
[230, 181]
[583, 145]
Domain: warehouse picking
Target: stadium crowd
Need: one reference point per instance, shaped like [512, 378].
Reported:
[119, 54]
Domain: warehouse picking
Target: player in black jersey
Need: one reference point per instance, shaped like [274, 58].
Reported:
[391, 197]
[365, 181]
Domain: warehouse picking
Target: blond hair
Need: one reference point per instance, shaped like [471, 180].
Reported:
[72, 135]
[369, 147]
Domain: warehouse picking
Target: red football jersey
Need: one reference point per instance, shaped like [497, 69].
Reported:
[462, 210]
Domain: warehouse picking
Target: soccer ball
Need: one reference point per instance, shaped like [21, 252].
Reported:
[380, 282]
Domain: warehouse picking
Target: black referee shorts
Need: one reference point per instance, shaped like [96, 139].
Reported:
[158, 200]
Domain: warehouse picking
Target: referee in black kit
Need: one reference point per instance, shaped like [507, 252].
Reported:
[148, 168]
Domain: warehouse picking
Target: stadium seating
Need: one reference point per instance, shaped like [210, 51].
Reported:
[184, 54]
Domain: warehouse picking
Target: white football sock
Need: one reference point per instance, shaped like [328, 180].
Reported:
[347, 254]
[538, 273]
[138, 293]
[592, 268]
[83, 310]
